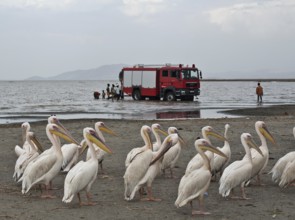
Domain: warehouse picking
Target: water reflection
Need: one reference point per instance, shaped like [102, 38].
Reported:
[182, 114]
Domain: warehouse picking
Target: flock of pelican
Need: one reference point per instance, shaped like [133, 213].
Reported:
[36, 167]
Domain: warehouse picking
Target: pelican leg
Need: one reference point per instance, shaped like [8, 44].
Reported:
[90, 203]
[150, 196]
[202, 208]
[80, 201]
[243, 193]
[47, 194]
[171, 173]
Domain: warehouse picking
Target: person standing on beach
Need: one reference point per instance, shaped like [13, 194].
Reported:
[259, 92]
[108, 91]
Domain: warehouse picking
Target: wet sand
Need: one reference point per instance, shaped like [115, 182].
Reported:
[267, 202]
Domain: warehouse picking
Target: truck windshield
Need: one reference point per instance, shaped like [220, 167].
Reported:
[189, 73]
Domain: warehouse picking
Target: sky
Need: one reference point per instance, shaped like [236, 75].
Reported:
[48, 37]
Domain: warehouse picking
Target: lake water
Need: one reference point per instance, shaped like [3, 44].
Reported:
[36, 100]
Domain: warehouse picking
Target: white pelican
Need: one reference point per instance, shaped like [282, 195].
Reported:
[156, 129]
[145, 132]
[71, 154]
[238, 172]
[194, 184]
[26, 157]
[171, 156]
[26, 127]
[259, 161]
[280, 165]
[197, 161]
[46, 166]
[155, 168]
[99, 127]
[221, 162]
[83, 174]
[138, 162]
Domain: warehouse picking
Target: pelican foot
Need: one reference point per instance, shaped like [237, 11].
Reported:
[200, 213]
[88, 203]
[240, 198]
[48, 197]
[151, 199]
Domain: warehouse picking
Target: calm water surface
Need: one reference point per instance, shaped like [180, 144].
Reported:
[36, 100]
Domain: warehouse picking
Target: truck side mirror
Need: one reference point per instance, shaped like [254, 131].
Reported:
[201, 74]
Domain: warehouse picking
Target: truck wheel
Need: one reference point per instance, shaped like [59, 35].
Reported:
[170, 96]
[136, 95]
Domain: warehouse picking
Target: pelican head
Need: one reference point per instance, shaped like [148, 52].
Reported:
[204, 145]
[158, 129]
[54, 120]
[169, 142]
[249, 140]
[260, 127]
[60, 132]
[174, 130]
[102, 127]
[91, 135]
[208, 130]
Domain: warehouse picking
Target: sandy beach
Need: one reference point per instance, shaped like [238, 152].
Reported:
[267, 202]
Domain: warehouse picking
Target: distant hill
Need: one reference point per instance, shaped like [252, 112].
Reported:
[106, 72]
[111, 72]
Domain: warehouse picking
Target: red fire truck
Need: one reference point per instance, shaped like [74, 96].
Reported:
[167, 82]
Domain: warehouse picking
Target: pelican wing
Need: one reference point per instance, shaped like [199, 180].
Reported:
[132, 154]
[280, 165]
[234, 175]
[37, 169]
[171, 156]
[70, 154]
[288, 175]
[192, 186]
[80, 177]
[136, 170]
[22, 163]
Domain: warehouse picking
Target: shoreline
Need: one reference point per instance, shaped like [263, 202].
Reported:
[259, 110]
[267, 202]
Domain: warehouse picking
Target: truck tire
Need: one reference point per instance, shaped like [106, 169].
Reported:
[136, 95]
[170, 96]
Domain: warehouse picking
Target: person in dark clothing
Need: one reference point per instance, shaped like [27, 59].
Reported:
[96, 95]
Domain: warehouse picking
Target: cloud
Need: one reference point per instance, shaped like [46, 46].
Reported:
[143, 8]
[36, 3]
[256, 18]
[54, 4]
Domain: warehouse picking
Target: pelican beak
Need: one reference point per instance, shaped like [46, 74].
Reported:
[107, 130]
[37, 143]
[252, 144]
[60, 125]
[93, 137]
[217, 135]
[181, 140]
[162, 131]
[267, 134]
[167, 144]
[83, 147]
[60, 132]
[207, 146]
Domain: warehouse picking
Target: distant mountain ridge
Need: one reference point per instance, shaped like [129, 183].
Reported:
[111, 72]
[105, 72]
